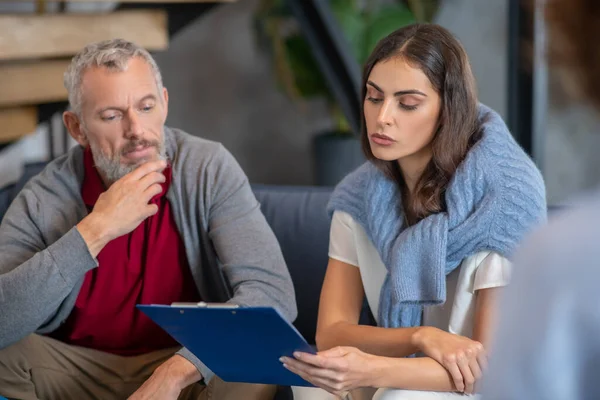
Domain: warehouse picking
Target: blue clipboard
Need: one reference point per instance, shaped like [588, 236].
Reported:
[239, 344]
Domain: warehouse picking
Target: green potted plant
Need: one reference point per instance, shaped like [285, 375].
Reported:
[363, 23]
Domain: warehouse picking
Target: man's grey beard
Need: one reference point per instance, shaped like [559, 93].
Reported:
[113, 169]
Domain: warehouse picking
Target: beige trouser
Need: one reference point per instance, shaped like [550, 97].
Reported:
[39, 367]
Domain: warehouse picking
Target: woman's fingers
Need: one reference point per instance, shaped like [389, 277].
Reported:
[323, 383]
[311, 370]
[476, 369]
[457, 376]
[467, 374]
[482, 360]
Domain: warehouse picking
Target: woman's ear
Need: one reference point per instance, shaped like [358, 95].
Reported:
[73, 125]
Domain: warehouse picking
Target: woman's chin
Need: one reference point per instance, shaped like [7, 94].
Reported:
[385, 155]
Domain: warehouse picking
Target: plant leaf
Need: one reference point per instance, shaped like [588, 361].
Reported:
[352, 24]
[308, 78]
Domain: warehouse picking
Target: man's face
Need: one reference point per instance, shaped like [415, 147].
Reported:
[122, 118]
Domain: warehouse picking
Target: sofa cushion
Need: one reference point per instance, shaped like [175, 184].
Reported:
[300, 222]
[8, 193]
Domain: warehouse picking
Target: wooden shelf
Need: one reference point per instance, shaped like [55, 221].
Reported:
[58, 35]
[17, 122]
[32, 82]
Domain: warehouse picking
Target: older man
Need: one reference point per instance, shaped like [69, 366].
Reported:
[138, 213]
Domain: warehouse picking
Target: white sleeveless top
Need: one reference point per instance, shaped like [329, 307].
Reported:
[349, 243]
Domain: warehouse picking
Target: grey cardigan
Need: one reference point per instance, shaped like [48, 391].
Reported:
[43, 258]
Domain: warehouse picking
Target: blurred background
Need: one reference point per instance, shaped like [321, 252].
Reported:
[277, 81]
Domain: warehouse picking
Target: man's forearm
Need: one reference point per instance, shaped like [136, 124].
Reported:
[93, 233]
[180, 372]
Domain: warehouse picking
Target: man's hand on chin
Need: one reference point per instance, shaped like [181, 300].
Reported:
[168, 380]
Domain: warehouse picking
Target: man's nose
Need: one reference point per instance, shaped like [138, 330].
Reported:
[134, 127]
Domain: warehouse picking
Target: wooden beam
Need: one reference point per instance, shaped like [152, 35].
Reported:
[32, 82]
[58, 35]
[17, 122]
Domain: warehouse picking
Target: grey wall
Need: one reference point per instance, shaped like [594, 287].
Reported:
[222, 88]
[571, 161]
[482, 28]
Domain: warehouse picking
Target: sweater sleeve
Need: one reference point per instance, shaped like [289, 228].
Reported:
[246, 246]
[35, 278]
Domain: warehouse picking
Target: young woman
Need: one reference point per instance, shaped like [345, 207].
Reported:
[424, 229]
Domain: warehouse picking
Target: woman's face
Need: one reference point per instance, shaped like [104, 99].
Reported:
[401, 111]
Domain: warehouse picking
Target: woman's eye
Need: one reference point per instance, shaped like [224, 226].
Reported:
[408, 107]
[373, 100]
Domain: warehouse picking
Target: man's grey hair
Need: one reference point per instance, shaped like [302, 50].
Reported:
[112, 54]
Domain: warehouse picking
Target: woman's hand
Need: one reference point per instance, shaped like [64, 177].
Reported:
[465, 359]
[338, 370]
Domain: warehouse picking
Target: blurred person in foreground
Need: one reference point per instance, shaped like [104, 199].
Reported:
[548, 339]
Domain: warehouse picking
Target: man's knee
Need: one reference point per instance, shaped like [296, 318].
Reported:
[16, 357]
[218, 389]
[15, 369]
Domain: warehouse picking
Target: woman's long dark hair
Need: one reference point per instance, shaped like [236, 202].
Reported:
[435, 51]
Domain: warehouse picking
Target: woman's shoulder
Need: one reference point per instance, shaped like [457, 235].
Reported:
[343, 217]
[486, 269]
[485, 256]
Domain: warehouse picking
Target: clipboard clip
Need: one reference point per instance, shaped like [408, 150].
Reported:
[203, 304]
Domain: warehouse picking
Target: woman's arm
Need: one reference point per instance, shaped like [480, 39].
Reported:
[341, 369]
[341, 301]
[427, 374]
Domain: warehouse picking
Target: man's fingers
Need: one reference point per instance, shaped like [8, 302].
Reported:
[151, 179]
[146, 168]
[150, 210]
[152, 191]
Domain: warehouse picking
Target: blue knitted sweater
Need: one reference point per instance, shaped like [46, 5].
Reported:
[494, 199]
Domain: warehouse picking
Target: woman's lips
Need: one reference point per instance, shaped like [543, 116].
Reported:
[382, 140]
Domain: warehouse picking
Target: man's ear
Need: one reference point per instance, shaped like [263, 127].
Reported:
[166, 101]
[71, 121]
